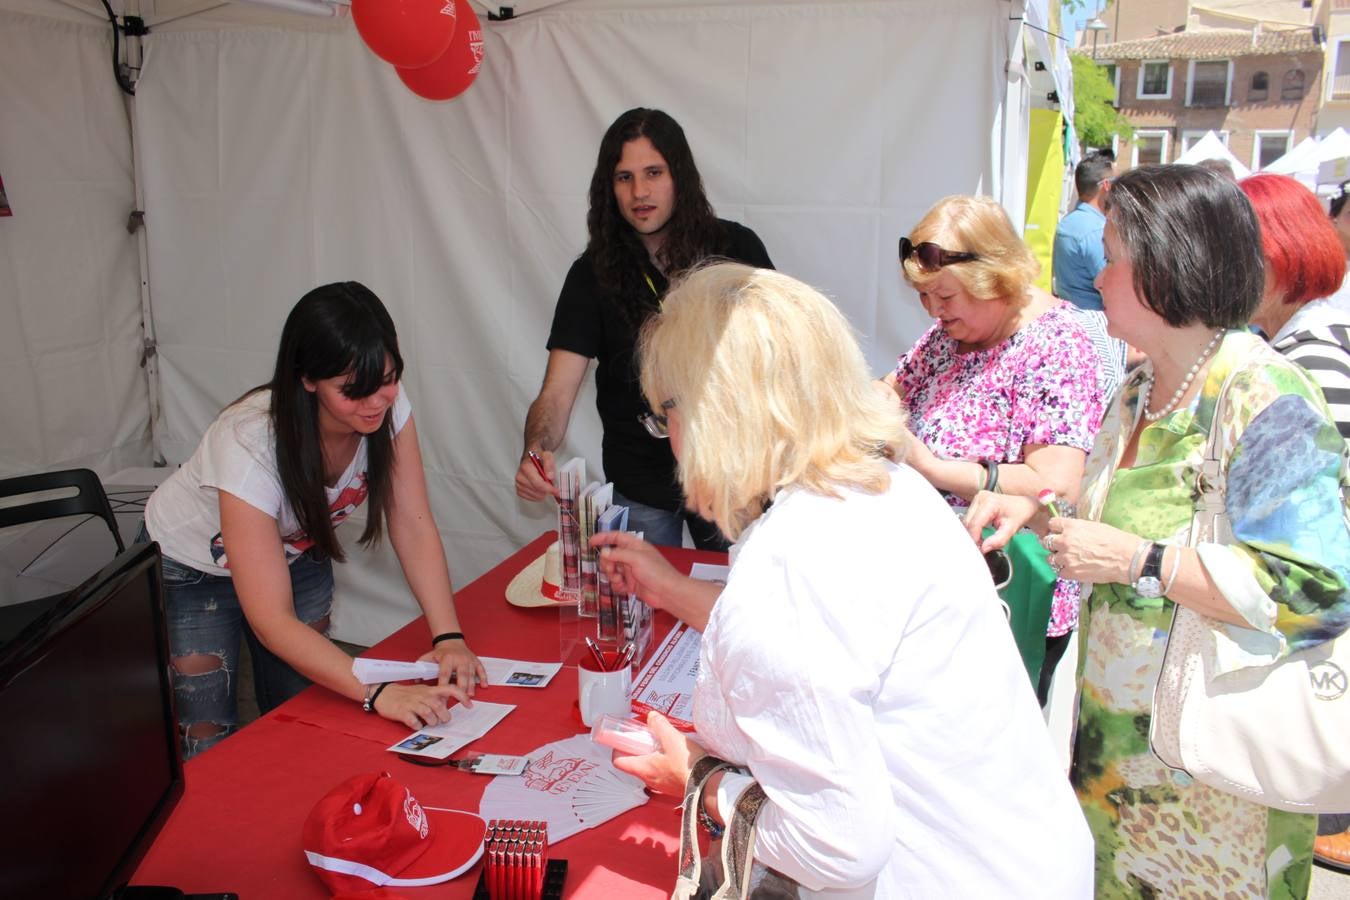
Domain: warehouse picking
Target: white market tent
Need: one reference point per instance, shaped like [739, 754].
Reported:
[1303, 158]
[1212, 147]
[273, 152]
[1315, 161]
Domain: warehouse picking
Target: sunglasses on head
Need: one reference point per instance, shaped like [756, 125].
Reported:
[930, 257]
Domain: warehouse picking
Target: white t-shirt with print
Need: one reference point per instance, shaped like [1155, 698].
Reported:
[238, 454]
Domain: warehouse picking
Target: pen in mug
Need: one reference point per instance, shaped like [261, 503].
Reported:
[595, 651]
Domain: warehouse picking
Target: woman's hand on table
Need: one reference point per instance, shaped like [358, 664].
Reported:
[1082, 550]
[634, 566]
[458, 661]
[419, 705]
[1007, 513]
[666, 770]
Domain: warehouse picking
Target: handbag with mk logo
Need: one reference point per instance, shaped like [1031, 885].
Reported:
[1278, 735]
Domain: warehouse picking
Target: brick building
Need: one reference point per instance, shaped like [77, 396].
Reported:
[1259, 89]
[1128, 20]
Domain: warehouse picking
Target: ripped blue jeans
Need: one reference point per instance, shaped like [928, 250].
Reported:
[205, 619]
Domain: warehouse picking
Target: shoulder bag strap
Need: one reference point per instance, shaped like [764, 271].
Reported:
[738, 844]
[686, 882]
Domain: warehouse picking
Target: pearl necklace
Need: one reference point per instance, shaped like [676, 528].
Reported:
[1185, 382]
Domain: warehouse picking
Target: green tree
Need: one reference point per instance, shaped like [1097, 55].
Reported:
[1094, 118]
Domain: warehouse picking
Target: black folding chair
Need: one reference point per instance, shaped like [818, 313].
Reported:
[89, 499]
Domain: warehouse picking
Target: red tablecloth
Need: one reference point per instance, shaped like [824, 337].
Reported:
[238, 825]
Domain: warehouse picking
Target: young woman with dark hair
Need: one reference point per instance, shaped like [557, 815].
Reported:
[248, 525]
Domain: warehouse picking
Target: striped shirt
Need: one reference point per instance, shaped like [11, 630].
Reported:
[1318, 339]
[1110, 351]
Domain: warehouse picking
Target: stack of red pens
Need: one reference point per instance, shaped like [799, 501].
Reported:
[613, 661]
[516, 854]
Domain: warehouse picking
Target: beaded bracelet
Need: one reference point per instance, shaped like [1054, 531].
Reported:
[708, 823]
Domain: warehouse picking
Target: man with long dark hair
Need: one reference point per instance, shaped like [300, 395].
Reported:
[649, 222]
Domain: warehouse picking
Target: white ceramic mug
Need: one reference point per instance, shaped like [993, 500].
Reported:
[602, 692]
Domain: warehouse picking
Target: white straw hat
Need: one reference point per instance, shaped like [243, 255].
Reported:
[539, 583]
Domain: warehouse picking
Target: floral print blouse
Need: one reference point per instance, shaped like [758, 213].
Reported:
[1037, 387]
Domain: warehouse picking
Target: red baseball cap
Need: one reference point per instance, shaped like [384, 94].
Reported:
[370, 831]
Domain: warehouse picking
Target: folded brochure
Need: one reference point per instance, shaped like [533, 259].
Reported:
[666, 683]
[466, 724]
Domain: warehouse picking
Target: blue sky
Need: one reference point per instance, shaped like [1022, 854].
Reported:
[1074, 21]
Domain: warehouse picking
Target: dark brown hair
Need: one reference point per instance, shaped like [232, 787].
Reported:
[692, 234]
[1193, 242]
[336, 329]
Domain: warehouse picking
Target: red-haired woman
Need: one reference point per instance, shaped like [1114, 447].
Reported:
[1305, 265]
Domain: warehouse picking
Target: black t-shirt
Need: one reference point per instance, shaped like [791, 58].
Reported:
[588, 323]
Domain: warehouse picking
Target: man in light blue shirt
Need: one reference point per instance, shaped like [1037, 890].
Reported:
[1078, 255]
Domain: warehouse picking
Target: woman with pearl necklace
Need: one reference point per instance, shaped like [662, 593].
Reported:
[1184, 274]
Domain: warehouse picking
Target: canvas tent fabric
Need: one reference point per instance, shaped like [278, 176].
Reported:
[274, 157]
[1212, 147]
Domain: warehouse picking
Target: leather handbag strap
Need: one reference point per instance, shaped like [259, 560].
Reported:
[1210, 481]
[738, 844]
[687, 881]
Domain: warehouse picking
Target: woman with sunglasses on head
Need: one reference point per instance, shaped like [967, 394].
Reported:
[855, 668]
[248, 526]
[1305, 265]
[1002, 390]
[1184, 274]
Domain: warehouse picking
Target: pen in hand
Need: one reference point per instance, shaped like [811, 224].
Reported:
[539, 467]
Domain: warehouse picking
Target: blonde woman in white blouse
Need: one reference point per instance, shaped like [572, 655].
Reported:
[857, 664]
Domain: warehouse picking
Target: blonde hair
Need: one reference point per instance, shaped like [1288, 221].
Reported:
[771, 390]
[1006, 267]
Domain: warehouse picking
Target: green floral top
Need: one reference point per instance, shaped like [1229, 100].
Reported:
[1289, 576]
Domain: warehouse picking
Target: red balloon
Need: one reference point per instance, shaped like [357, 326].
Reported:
[451, 75]
[406, 32]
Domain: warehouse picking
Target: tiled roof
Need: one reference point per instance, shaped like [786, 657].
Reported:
[1216, 44]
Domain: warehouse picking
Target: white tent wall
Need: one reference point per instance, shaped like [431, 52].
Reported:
[70, 302]
[278, 158]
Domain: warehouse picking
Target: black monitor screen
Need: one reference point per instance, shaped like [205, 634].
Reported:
[89, 758]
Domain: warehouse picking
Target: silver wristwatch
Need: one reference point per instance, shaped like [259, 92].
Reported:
[1149, 584]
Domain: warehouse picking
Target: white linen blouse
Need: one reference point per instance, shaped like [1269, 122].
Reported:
[859, 664]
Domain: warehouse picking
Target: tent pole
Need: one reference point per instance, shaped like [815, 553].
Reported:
[149, 352]
[1011, 162]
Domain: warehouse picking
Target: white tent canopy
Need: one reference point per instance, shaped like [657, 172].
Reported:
[1315, 160]
[1212, 147]
[1303, 158]
[277, 155]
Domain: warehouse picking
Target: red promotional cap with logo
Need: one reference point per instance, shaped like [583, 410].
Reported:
[370, 831]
